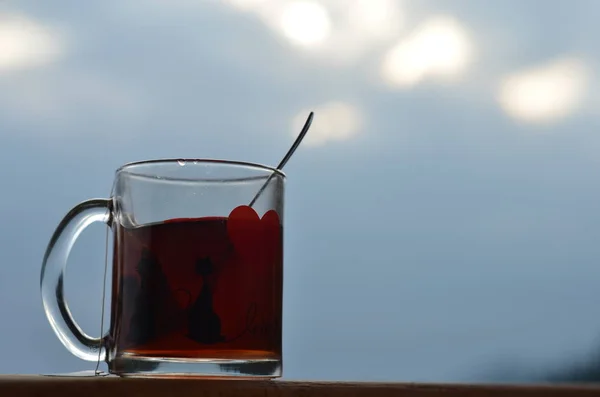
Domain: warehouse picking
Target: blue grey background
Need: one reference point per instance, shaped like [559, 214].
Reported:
[439, 229]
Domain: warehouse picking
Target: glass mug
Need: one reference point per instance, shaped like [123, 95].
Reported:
[197, 273]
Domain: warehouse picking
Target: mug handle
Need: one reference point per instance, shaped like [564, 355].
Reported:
[52, 278]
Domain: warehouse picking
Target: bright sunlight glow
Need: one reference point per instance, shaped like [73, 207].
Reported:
[305, 23]
[544, 93]
[440, 47]
[375, 18]
[25, 44]
[336, 31]
[334, 121]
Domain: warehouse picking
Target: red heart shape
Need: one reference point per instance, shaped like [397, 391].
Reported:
[257, 240]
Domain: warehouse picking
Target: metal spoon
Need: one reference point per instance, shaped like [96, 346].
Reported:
[287, 156]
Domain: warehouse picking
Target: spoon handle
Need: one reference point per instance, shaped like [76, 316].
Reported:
[287, 156]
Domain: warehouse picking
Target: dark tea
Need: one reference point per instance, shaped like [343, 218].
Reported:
[199, 288]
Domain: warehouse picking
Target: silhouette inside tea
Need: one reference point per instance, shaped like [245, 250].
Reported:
[143, 320]
[204, 323]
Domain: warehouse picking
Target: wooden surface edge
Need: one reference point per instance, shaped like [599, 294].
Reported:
[37, 385]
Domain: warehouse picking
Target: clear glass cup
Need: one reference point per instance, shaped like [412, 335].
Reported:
[197, 272]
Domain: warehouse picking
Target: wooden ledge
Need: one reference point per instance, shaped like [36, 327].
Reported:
[25, 385]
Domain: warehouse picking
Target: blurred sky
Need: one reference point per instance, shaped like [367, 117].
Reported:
[442, 219]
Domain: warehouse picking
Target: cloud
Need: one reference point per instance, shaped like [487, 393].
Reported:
[247, 5]
[302, 23]
[64, 101]
[545, 93]
[25, 43]
[439, 47]
[339, 32]
[375, 18]
[334, 121]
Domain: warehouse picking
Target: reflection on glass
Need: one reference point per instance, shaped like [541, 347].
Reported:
[25, 43]
[438, 47]
[544, 93]
[338, 121]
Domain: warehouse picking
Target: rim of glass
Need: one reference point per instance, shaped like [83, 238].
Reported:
[195, 161]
